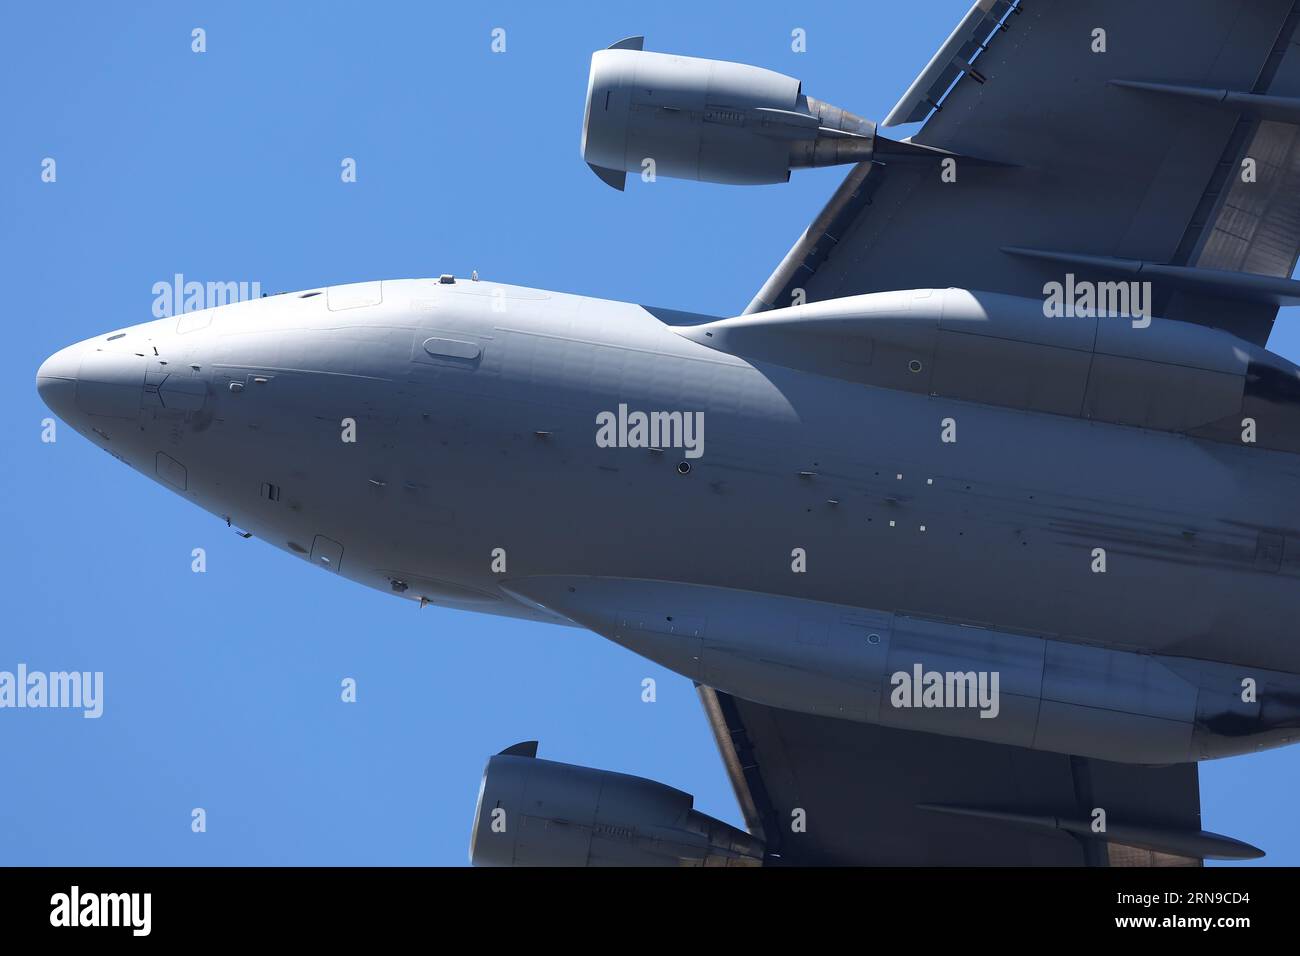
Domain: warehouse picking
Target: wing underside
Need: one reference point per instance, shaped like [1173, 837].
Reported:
[878, 796]
[1162, 148]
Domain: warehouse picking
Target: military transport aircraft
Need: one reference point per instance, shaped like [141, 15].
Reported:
[993, 532]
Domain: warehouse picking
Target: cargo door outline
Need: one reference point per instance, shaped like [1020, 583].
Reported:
[326, 553]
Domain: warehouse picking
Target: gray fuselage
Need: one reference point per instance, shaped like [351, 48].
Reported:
[476, 408]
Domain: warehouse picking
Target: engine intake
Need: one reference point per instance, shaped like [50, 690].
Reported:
[716, 121]
[535, 812]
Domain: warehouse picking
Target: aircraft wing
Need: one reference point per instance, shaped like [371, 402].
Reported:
[878, 796]
[1151, 141]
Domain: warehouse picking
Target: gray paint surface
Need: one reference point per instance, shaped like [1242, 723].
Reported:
[437, 441]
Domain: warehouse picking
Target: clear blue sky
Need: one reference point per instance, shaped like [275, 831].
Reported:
[222, 689]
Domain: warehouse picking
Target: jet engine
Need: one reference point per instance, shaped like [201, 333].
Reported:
[720, 122]
[535, 812]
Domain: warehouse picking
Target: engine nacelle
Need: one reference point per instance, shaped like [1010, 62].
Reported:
[540, 813]
[711, 120]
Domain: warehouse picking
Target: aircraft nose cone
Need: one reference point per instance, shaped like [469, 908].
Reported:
[86, 378]
[56, 380]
